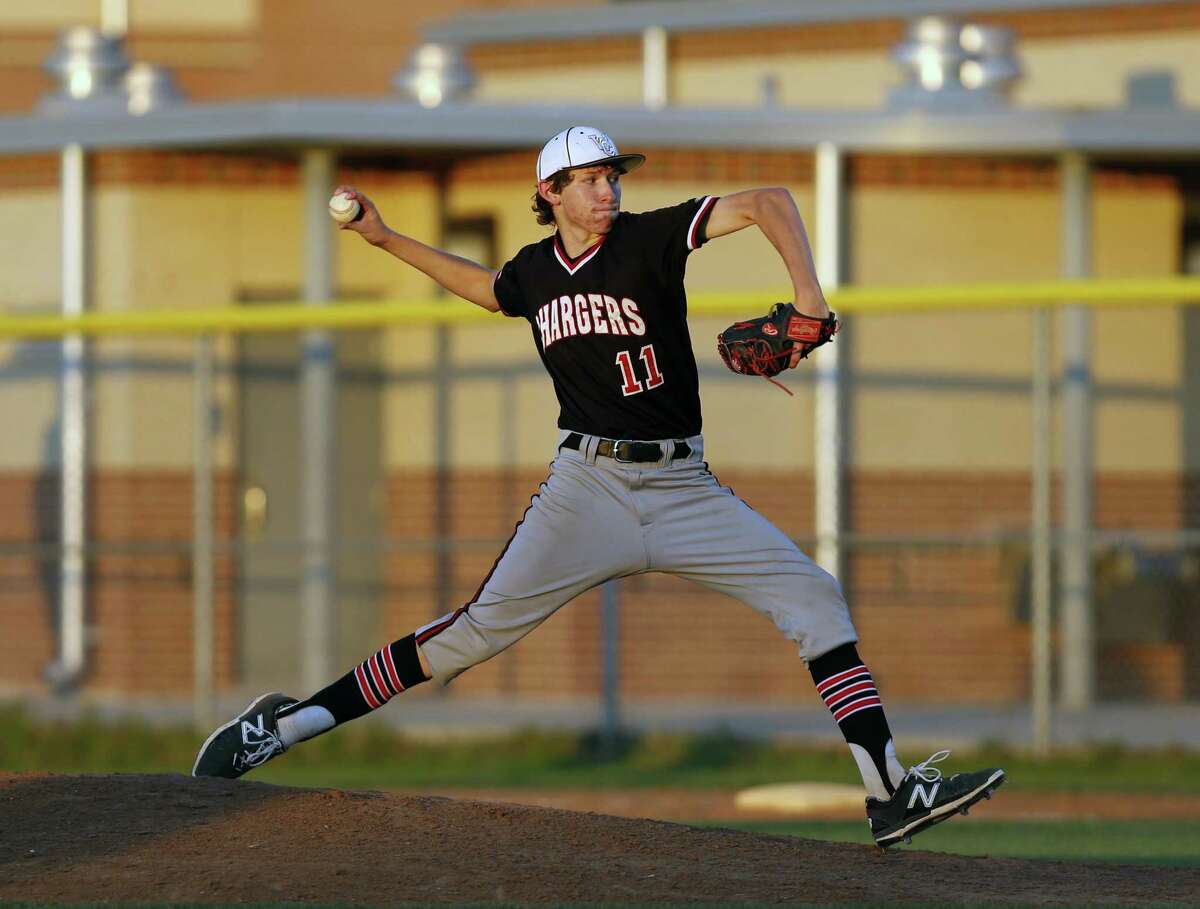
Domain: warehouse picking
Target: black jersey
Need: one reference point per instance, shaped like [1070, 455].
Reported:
[611, 324]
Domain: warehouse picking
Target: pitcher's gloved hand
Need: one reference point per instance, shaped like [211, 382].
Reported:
[764, 346]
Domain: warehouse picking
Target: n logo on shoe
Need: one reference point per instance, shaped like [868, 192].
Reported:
[926, 797]
[249, 729]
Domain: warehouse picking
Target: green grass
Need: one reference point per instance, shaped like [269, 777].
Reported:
[548, 906]
[1174, 842]
[372, 756]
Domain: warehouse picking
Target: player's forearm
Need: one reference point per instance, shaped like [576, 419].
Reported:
[779, 220]
[460, 276]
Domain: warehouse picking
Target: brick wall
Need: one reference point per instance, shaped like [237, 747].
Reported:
[939, 623]
[139, 600]
[28, 513]
[197, 170]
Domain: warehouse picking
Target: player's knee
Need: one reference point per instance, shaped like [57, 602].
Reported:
[825, 588]
[457, 649]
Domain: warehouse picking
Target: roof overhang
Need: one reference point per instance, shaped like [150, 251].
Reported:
[609, 19]
[381, 125]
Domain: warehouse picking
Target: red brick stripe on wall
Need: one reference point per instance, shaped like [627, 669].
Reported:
[577, 52]
[18, 172]
[198, 169]
[748, 168]
[994, 173]
[758, 168]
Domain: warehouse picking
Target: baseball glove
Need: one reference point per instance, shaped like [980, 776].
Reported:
[764, 346]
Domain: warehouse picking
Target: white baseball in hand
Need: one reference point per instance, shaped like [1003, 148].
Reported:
[343, 208]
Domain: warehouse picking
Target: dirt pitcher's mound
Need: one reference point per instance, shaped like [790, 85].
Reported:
[174, 839]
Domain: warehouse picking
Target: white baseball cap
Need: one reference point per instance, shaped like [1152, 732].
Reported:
[582, 146]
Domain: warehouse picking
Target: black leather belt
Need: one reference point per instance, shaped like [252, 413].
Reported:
[628, 452]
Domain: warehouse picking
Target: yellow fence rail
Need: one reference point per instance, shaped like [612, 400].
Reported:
[451, 311]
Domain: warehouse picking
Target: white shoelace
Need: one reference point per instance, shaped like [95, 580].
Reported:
[925, 771]
[265, 750]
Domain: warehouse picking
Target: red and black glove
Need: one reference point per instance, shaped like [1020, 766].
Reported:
[764, 346]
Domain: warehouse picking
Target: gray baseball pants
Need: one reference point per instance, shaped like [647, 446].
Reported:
[595, 519]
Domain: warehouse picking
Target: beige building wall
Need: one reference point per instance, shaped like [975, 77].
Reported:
[174, 248]
[1138, 345]
[1093, 71]
[29, 405]
[1081, 71]
[742, 261]
[178, 247]
[901, 237]
[29, 268]
[854, 79]
[149, 14]
[29, 276]
[1072, 72]
[960, 236]
[591, 83]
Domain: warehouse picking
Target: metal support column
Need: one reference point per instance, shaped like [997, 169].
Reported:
[317, 391]
[655, 84]
[1075, 582]
[443, 417]
[203, 688]
[827, 413]
[610, 633]
[509, 503]
[74, 428]
[1040, 534]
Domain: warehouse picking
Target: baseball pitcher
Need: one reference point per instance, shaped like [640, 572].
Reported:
[629, 490]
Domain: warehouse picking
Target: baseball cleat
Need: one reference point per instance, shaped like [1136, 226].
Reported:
[247, 741]
[924, 798]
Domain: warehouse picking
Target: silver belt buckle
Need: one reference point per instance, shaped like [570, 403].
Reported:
[617, 443]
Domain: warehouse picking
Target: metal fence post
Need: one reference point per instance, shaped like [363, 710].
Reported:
[74, 425]
[1040, 536]
[827, 411]
[443, 429]
[202, 533]
[655, 68]
[1075, 579]
[318, 389]
[611, 636]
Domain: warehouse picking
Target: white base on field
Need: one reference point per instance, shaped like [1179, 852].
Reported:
[800, 798]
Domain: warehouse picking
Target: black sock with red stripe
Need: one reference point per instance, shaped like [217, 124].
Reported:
[368, 686]
[848, 690]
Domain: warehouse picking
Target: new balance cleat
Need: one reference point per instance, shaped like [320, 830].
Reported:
[247, 741]
[924, 798]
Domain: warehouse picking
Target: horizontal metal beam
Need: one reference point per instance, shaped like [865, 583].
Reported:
[460, 128]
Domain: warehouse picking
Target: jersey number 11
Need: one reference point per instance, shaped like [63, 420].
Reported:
[633, 385]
